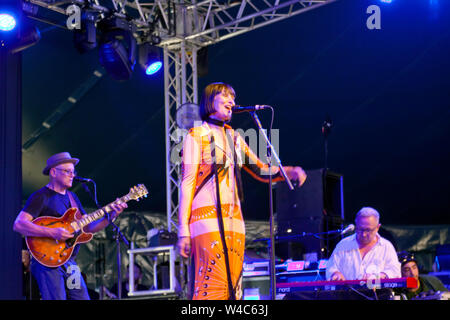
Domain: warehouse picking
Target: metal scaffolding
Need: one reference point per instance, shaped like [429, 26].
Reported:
[180, 86]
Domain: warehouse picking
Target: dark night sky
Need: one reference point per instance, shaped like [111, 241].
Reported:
[387, 92]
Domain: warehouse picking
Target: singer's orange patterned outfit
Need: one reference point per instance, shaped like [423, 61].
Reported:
[197, 211]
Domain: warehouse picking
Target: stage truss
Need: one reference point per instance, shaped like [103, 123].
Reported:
[183, 27]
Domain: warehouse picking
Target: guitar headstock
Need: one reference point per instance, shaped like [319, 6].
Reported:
[137, 192]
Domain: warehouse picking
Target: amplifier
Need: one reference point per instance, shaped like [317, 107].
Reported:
[256, 268]
[256, 279]
[302, 270]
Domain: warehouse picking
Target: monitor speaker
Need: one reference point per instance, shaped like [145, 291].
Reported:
[315, 207]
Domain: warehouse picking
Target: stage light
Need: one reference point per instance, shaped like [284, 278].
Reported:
[386, 1]
[7, 22]
[85, 39]
[29, 36]
[117, 47]
[117, 54]
[150, 58]
[17, 32]
[153, 68]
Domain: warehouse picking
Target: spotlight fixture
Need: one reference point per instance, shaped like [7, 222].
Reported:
[85, 38]
[7, 22]
[150, 58]
[29, 36]
[117, 48]
[17, 32]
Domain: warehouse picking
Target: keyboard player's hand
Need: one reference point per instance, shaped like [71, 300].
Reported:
[337, 276]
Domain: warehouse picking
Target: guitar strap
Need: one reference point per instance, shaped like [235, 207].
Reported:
[74, 204]
[220, 221]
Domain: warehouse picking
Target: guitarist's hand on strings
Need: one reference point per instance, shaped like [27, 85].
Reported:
[118, 208]
[61, 234]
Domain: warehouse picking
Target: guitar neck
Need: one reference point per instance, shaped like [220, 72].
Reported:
[98, 214]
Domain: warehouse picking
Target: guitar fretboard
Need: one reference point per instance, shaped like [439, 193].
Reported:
[98, 214]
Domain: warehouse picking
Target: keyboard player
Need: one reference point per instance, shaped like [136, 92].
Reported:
[364, 254]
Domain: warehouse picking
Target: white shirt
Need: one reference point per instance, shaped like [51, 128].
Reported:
[346, 259]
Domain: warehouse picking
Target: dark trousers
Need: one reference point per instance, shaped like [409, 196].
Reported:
[61, 283]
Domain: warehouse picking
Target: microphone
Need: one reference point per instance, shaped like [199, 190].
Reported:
[80, 179]
[239, 109]
[349, 228]
[327, 125]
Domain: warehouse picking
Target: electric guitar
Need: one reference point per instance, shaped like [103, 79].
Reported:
[53, 253]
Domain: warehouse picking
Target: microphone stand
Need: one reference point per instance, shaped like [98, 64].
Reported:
[326, 130]
[118, 236]
[271, 151]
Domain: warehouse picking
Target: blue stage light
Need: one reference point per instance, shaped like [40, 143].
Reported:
[153, 68]
[150, 58]
[386, 1]
[7, 22]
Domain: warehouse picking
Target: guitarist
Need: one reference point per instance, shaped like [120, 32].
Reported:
[64, 282]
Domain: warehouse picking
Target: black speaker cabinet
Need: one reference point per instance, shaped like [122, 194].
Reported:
[315, 207]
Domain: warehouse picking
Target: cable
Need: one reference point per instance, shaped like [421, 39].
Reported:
[361, 294]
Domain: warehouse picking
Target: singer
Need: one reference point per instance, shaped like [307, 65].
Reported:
[365, 254]
[211, 227]
[53, 200]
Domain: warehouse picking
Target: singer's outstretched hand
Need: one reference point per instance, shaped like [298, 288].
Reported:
[296, 174]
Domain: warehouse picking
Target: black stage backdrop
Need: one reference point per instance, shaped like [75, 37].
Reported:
[10, 174]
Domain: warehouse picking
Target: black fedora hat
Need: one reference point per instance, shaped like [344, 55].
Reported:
[57, 159]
